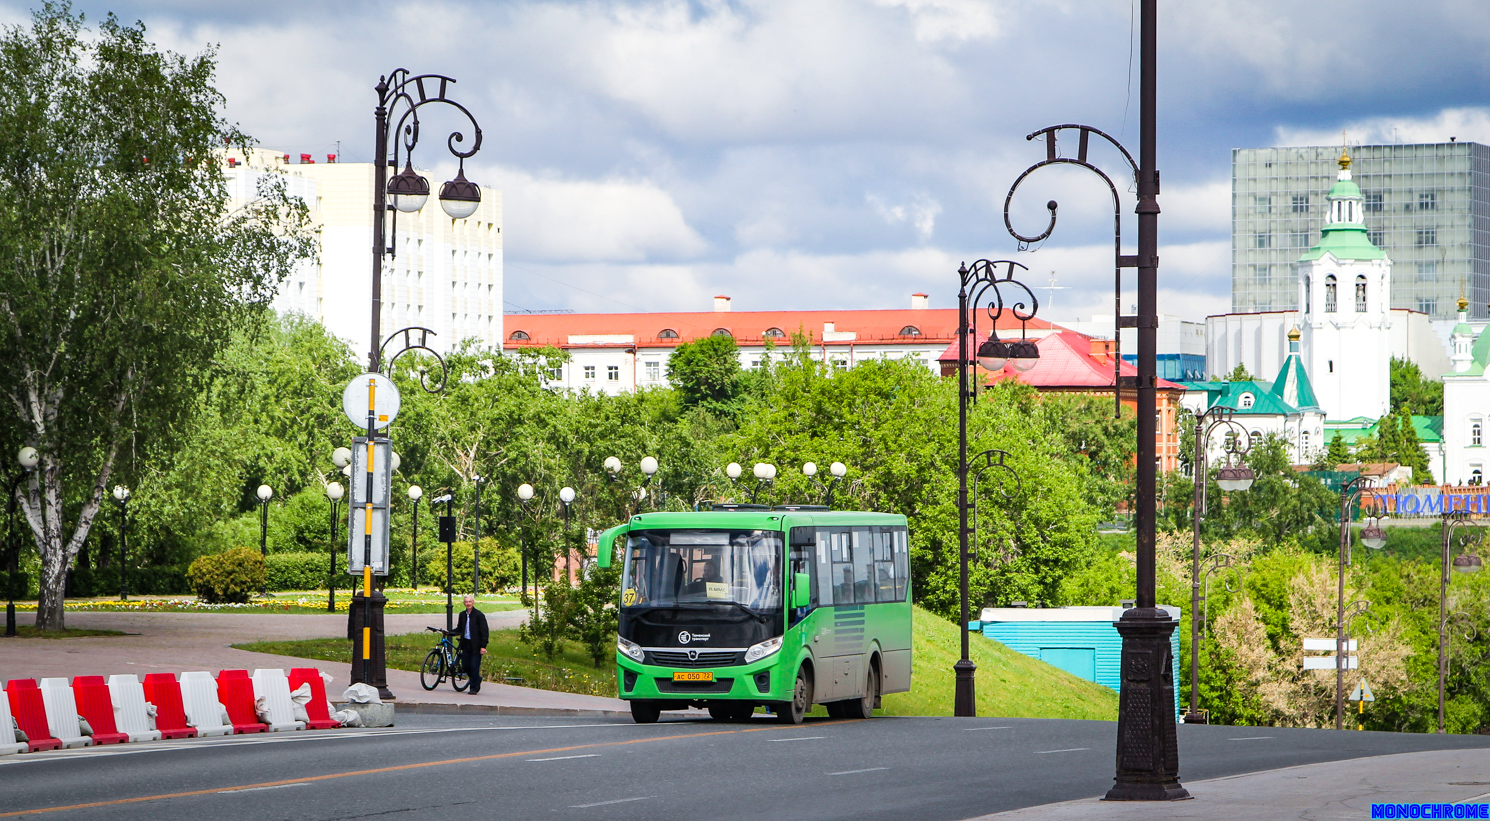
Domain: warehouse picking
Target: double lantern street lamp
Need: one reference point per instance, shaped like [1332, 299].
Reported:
[566, 498]
[121, 495]
[837, 469]
[415, 494]
[649, 469]
[1373, 537]
[1234, 475]
[334, 492]
[27, 457]
[1467, 562]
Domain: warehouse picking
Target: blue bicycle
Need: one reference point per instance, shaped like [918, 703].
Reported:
[445, 661]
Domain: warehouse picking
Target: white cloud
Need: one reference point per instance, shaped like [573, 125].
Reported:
[1464, 123]
[949, 20]
[920, 212]
[611, 220]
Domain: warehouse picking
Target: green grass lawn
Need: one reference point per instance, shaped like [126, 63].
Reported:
[1008, 683]
[507, 660]
[29, 631]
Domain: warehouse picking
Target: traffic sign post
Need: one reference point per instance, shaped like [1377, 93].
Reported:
[1362, 694]
[370, 401]
[1330, 661]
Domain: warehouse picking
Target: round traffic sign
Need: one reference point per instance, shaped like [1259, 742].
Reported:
[385, 400]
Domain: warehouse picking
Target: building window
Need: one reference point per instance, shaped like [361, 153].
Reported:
[773, 333]
[1307, 295]
[840, 364]
[1427, 236]
[1299, 239]
[1264, 204]
[519, 336]
[555, 373]
[1476, 475]
[1428, 305]
[654, 371]
[1329, 294]
[1262, 240]
[1360, 293]
[1374, 237]
[590, 372]
[1246, 401]
[1476, 431]
[721, 332]
[910, 330]
[667, 333]
[613, 373]
[1306, 444]
[1428, 201]
[1301, 203]
[1373, 203]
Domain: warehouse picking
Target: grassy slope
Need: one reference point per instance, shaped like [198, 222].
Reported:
[1009, 683]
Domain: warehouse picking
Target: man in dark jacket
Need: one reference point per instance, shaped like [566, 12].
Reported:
[470, 626]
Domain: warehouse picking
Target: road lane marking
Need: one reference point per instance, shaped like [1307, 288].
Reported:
[259, 789]
[604, 803]
[971, 729]
[1068, 750]
[856, 772]
[567, 757]
[800, 738]
[396, 768]
[1250, 738]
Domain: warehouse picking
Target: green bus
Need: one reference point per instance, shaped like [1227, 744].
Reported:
[748, 605]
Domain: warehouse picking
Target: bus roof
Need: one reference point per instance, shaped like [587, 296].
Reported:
[762, 519]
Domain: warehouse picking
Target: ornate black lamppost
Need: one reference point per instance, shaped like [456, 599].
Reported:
[27, 457]
[982, 284]
[525, 495]
[1372, 536]
[415, 494]
[837, 469]
[476, 545]
[1233, 476]
[566, 498]
[1466, 562]
[997, 461]
[334, 492]
[648, 468]
[121, 495]
[1147, 747]
[265, 493]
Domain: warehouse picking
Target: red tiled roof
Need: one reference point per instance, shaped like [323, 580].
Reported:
[869, 326]
[1066, 361]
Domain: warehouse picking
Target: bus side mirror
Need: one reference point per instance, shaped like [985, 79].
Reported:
[801, 590]
[607, 540]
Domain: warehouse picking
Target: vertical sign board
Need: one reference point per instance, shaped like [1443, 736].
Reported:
[357, 509]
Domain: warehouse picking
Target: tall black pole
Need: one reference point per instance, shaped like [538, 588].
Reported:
[15, 552]
[1443, 613]
[264, 542]
[380, 211]
[331, 565]
[414, 551]
[476, 545]
[123, 548]
[1345, 499]
[449, 578]
[964, 702]
[1147, 746]
[1199, 471]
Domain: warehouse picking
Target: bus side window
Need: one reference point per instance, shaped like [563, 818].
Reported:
[842, 576]
[902, 563]
[863, 559]
[824, 568]
[884, 564]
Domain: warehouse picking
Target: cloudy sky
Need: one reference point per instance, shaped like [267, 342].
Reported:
[837, 153]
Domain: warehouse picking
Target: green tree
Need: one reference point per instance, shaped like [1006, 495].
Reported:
[1338, 452]
[1239, 374]
[706, 374]
[1414, 393]
[123, 271]
[1396, 440]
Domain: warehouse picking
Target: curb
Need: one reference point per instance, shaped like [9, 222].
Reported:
[437, 708]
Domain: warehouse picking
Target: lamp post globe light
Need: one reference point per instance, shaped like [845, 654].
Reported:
[525, 495]
[26, 457]
[838, 471]
[1232, 476]
[334, 492]
[121, 495]
[415, 494]
[566, 498]
[265, 493]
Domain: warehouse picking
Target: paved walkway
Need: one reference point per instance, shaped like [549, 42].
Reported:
[177, 642]
[1337, 789]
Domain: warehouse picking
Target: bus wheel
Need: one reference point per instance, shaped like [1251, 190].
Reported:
[721, 710]
[794, 711]
[864, 707]
[643, 712]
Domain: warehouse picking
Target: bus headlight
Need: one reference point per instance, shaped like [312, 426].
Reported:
[762, 650]
[630, 649]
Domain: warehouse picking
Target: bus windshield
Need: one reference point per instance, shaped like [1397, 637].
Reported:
[668, 568]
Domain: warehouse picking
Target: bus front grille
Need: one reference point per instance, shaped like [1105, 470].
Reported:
[703, 658]
[715, 687]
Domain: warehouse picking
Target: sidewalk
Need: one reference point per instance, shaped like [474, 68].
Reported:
[1337, 789]
[178, 642]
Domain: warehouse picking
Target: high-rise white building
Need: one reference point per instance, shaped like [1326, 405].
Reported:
[445, 274]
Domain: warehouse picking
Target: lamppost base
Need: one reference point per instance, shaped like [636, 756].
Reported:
[1147, 748]
[1197, 718]
[373, 671]
[10, 618]
[965, 702]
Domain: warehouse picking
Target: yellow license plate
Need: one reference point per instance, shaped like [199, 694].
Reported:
[693, 676]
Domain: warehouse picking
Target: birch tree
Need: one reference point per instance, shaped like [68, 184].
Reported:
[122, 270]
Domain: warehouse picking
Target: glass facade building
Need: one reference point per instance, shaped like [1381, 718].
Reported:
[1427, 206]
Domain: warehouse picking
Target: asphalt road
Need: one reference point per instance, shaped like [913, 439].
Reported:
[431, 766]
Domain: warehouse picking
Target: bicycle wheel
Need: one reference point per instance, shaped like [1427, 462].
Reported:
[432, 672]
[458, 678]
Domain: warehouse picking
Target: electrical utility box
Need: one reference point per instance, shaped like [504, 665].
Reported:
[358, 510]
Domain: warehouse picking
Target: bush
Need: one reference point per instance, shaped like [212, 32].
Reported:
[501, 566]
[230, 576]
[85, 582]
[298, 571]
[23, 584]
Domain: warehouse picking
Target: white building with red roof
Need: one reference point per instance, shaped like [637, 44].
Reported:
[615, 353]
